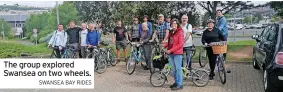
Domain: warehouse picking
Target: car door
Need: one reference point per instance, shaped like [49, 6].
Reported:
[259, 42]
[267, 45]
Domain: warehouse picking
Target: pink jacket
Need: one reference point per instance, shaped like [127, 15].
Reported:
[176, 42]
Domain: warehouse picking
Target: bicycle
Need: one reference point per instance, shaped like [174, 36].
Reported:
[134, 58]
[192, 51]
[199, 77]
[109, 53]
[220, 48]
[68, 52]
[203, 58]
[99, 61]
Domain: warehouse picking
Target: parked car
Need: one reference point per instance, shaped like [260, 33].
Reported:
[268, 56]
[239, 26]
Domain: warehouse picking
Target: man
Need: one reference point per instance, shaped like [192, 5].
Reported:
[168, 20]
[58, 40]
[162, 31]
[83, 43]
[144, 38]
[149, 24]
[221, 24]
[74, 34]
[120, 38]
[93, 36]
[188, 41]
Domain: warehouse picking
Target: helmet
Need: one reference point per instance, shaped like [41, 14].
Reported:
[210, 21]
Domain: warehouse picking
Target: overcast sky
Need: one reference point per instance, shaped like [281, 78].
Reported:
[53, 3]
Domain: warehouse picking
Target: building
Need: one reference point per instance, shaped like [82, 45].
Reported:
[15, 20]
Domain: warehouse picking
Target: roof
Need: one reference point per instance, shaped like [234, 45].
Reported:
[14, 17]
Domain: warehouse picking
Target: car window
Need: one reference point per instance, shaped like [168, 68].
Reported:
[270, 36]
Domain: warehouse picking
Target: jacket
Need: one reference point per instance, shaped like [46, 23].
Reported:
[176, 42]
[58, 38]
[222, 25]
[92, 38]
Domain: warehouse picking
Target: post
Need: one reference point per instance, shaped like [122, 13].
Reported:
[57, 12]
[234, 29]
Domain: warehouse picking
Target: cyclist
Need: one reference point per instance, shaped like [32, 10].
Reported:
[187, 28]
[83, 36]
[175, 51]
[93, 37]
[162, 30]
[74, 34]
[58, 40]
[120, 38]
[222, 25]
[145, 37]
[211, 34]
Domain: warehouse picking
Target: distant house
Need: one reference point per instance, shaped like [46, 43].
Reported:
[15, 20]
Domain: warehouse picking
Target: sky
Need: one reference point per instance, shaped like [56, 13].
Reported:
[53, 3]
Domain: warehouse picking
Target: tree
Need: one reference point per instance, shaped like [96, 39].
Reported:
[228, 6]
[5, 29]
[277, 6]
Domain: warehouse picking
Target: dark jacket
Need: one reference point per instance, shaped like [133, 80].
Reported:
[212, 36]
[74, 34]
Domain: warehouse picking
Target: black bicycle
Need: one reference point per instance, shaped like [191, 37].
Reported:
[68, 52]
[100, 63]
[203, 58]
[108, 53]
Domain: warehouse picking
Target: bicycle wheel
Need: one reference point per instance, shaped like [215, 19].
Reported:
[112, 57]
[131, 65]
[157, 79]
[221, 69]
[101, 64]
[203, 59]
[53, 54]
[200, 78]
[193, 51]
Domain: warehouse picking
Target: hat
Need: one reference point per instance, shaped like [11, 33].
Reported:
[160, 15]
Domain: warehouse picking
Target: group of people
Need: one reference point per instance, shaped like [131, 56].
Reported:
[175, 36]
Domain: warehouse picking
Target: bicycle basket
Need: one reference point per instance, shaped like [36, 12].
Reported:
[159, 62]
[219, 49]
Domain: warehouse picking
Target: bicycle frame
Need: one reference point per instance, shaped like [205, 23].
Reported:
[134, 53]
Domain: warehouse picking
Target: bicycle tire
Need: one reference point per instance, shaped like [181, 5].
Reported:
[197, 76]
[203, 58]
[221, 70]
[163, 79]
[112, 57]
[131, 61]
[101, 62]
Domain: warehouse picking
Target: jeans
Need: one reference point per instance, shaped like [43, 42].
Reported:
[188, 62]
[176, 62]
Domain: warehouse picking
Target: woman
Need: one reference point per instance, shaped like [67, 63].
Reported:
[145, 37]
[135, 35]
[175, 51]
[211, 34]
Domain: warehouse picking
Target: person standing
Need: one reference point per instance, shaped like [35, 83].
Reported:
[145, 37]
[83, 43]
[222, 25]
[168, 19]
[149, 24]
[211, 34]
[93, 37]
[74, 35]
[58, 40]
[120, 38]
[135, 31]
[188, 40]
[162, 31]
[175, 51]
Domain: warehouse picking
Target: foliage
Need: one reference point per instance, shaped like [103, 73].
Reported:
[228, 6]
[110, 11]
[251, 18]
[277, 6]
[228, 16]
[6, 28]
[46, 22]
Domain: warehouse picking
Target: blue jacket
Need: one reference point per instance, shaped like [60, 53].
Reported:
[149, 25]
[92, 38]
[222, 25]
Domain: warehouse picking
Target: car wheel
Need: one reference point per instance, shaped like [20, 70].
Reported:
[255, 65]
[268, 87]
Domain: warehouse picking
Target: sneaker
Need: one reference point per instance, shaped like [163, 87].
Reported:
[177, 88]
[173, 85]
[212, 74]
[211, 78]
